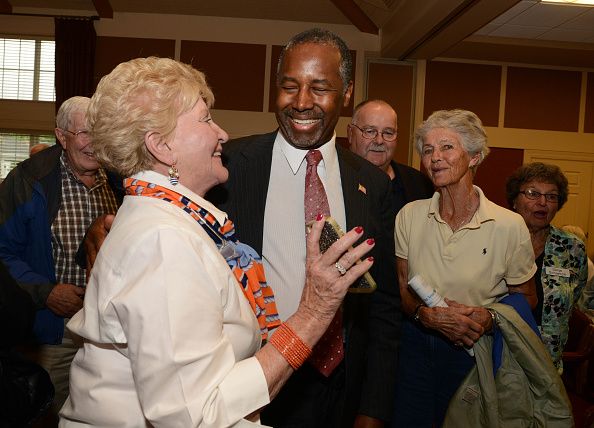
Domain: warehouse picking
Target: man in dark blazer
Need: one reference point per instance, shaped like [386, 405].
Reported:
[313, 84]
[373, 135]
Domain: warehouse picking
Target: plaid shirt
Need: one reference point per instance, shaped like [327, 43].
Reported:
[79, 207]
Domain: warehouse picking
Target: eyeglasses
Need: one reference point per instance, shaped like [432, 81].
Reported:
[84, 133]
[533, 194]
[371, 133]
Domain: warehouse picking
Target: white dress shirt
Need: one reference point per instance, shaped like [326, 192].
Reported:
[283, 244]
[169, 337]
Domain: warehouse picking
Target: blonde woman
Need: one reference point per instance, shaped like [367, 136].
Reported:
[176, 308]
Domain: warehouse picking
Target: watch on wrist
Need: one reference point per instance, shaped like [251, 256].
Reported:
[417, 312]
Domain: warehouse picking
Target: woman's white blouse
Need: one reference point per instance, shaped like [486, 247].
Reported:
[169, 337]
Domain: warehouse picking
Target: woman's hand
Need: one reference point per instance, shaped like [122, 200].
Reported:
[325, 286]
[483, 317]
[479, 314]
[461, 324]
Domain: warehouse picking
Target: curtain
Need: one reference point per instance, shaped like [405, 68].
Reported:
[75, 57]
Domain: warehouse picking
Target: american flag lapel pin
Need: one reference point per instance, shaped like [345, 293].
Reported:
[362, 189]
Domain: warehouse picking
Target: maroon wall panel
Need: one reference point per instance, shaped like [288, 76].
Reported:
[394, 83]
[276, 50]
[493, 172]
[542, 99]
[113, 50]
[473, 87]
[589, 122]
[234, 71]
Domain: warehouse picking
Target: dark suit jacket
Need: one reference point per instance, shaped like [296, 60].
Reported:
[409, 185]
[371, 322]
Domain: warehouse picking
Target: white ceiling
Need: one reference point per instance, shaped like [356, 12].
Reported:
[531, 19]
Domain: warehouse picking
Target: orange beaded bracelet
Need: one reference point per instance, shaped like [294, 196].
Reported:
[290, 346]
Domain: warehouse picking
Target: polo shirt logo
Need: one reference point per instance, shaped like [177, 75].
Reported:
[484, 251]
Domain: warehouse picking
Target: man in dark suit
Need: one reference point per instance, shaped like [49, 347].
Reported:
[265, 198]
[373, 135]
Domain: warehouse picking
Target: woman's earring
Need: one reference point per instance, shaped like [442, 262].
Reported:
[173, 175]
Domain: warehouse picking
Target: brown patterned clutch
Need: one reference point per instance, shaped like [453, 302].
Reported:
[330, 234]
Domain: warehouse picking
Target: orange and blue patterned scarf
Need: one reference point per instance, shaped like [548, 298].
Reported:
[243, 260]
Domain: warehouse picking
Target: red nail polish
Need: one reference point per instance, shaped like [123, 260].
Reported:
[359, 229]
[370, 258]
[370, 241]
[320, 217]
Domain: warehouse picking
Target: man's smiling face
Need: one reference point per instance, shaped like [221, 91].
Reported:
[382, 118]
[310, 94]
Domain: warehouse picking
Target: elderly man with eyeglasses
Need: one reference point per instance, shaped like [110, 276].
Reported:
[373, 135]
[46, 204]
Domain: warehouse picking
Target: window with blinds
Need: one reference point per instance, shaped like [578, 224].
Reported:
[27, 69]
[14, 148]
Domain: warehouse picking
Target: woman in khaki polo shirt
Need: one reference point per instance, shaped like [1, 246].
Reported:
[469, 249]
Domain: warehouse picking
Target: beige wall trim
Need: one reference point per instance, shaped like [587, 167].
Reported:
[554, 154]
[531, 139]
[27, 25]
[583, 95]
[177, 52]
[27, 115]
[419, 105]
[502, 94]
[267, 71]
[220, 29]
[512, 64]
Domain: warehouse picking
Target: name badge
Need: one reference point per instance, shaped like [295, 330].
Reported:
[554, 271]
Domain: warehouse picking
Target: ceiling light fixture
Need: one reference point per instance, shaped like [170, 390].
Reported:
[589, 3]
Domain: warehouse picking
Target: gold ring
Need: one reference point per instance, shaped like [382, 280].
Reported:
[340, 268]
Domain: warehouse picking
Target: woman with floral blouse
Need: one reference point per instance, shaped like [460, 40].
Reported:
[537, 191]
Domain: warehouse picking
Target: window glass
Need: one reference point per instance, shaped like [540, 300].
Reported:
[27, 69]
[14, 148]
[47, 67]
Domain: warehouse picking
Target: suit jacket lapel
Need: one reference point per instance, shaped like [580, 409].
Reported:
[355, 200]
[251, 189]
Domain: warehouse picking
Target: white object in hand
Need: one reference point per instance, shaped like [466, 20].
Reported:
[427, 293]
[430, 297]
